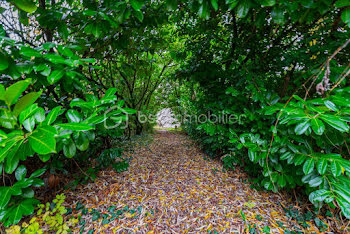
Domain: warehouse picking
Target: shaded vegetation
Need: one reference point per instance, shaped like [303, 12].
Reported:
[76, 75]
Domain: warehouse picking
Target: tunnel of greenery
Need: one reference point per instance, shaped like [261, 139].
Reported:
[268, 78]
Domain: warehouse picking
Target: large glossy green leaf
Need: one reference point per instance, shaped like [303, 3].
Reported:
[243, 8]
[76, 126]
[21, 172]
[282, 181]
[81, 141]
[55, 76]
[13, 92]
[322, 166]
[137, 4]
[335, 122]
[252, 155]
[204, 10]
[343, 199]
[28, 193]
[315, 181]
[5, 196]
[344, 206]
[29, 124]
[95, 120]
[3, 62]
[25, 102]
[319, 195]
[345, 16]
[28, 112]
[302, 127]
[12, 158]
[330, 105]
[49, 130]
[7, 119]
[37, 173]
[317, 126]
[24, 183]
[286, 155]
[15, 213]
[26, 5]
[215, 4]
[336, 168]
[29, 52]
[73, 116]
[52, 116]
[9, 145]
[43, 141]
[94, 29]
[40, 115]
[308, 166]
[2, 92]
[69, 149]
[342, 3]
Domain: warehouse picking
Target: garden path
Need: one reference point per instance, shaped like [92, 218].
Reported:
[171, 187]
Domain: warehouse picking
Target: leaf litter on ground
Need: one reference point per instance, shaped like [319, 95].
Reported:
[171, 188]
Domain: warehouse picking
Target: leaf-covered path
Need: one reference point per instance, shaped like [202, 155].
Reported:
[171, 188]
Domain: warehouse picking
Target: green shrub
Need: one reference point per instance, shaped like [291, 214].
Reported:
[28, 130]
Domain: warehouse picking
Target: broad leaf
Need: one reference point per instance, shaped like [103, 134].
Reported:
[322, 166]
[55, 76]
[330, 105]
[335, 122]
[215, 5]
[28, 112]
[137, 4]
[342, 3]
[336, 168]
[37, 173]
[73, 116]
[25, 102]
[69, 149]
[243, 8]
[52, 116]
[29, 124]
[15, 213]
[26, 5]
[345, 16]
[308, 166]
[21, 172]
[40, 115]
[3, 62]
[317, 126]
[5, 196]
[43, 142]
[319, 195]
[302, 127]
[76, 126]
[13, 92]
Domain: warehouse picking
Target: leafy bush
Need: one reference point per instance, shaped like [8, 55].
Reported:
[245, 60]
[28, 130]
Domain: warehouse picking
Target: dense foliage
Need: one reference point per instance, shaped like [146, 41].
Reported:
[76, 72]
[279, 68]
